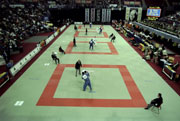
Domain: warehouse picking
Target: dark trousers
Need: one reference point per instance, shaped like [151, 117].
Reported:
[152, 103]
[91, 47]
[112, 40]
[74, 43]
[56, 60]
[79, 71]
[149, 105]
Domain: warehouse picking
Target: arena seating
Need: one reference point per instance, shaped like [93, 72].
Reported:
[173, 2]
[113, 1]
[168, 24]
[155, 3]
[132, 2]
[18, 23]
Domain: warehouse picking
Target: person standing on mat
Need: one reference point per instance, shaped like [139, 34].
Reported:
[85, 77]
[155, 102]
[90, 24]
[111, 35]
[74, 42]
[61, 50]
[86, 31]
[75, 27]
[78, 66]
[91, 44]
[113, 38]
[100, 30]
[55, 58]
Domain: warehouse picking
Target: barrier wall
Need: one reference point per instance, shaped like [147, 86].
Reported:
[158, 32]
[62, 28]
[18, 66]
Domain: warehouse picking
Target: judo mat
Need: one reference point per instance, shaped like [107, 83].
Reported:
[122, 82]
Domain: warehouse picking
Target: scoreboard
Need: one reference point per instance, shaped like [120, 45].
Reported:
[153, 12]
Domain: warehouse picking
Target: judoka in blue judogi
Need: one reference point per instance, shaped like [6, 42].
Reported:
[85, 77]
[91, 44]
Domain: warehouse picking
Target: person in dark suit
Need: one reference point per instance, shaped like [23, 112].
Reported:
[111, 35]
[78, 66]
[155, 102]
[74, 42]
[86, 31]
[61, 50]
[55, 58]
[75, 27]
[113, 38]
[91, 44]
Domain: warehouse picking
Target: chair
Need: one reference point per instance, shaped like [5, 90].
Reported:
[175, 66]
[156, 109]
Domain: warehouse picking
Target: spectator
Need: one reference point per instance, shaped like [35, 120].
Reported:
[16, 24]
[55, 58]
[155, 102]
[61, 50]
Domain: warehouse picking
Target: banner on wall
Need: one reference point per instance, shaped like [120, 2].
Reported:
[92, 14]
[127, 13]
[98, 15]
[108, 16]
[103, 15]
[139, 14]
[133, 13]
[87, 15]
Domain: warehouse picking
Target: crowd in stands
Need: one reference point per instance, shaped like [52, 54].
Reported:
[18, 23]
[169, 24]
[152, 50]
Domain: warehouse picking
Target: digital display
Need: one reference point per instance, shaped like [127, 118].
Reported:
[153, 12]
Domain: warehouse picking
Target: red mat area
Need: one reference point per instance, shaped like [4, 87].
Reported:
[88, 27]
[104, 34]
[110, 45]
[47, 97]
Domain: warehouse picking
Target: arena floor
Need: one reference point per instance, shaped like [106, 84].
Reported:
[123, 83]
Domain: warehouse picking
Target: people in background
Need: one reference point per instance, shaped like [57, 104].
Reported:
[86, 31]
[18, 24]
[100, 30]
[90, 24]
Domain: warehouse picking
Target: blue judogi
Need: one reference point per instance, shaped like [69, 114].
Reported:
[91, 44]
[85, 77]
[100, 30]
